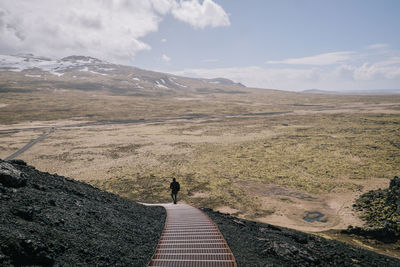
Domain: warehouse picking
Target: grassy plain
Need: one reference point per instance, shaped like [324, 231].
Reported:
[230, 151]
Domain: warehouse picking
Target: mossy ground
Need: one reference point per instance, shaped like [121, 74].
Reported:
[317, 154]
[380, 208]
[321, 144]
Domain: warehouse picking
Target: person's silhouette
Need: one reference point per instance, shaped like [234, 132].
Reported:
[175, 187]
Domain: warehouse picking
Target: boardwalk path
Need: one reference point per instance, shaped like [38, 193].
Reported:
[190, 238]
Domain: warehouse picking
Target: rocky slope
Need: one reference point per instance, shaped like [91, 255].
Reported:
[258, 244]
[381, 210]
[49, 220]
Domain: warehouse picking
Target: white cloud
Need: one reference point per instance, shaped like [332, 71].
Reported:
[166, 58]
[377, 46]
[107, 29]
[255, 76]
[163, 6]
[388, 69]
[210, 60]
[388, 62]
[320, 60]
[383, 74]
[201, 15]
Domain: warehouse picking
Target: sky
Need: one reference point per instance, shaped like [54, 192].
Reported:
[279, 44]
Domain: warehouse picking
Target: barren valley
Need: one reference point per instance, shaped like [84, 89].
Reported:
[289, 159]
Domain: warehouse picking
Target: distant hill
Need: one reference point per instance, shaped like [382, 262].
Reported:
[355, 92]
[224, 81]
[91, 74]
[318, 91]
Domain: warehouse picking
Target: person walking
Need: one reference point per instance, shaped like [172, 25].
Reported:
[175, 187]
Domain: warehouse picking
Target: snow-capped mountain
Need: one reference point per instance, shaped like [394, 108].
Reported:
[87, 73]
[24, 62]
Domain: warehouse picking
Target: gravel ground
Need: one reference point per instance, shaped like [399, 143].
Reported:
[258, 244]
[49, 220]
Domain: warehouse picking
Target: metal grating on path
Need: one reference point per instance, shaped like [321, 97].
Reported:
[191, 239]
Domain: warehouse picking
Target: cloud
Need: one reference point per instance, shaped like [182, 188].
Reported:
[108, 29]
[201, 15]
[254, 76]
[320, 60]
[166, 58]
[382, 74]
[377, 46]
[388, 69]
[162, 6]
[389, 62]
[210, 60]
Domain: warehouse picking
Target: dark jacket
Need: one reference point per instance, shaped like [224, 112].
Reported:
[175, 187]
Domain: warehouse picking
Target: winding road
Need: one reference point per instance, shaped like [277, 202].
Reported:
[30, 144]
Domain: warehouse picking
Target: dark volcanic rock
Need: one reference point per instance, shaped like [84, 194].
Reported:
[10, 176]
[393, 195]
[18, 162]
[381, 210]
[49, 220]
[258, 244]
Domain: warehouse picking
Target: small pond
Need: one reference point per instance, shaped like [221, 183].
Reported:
[315, 216]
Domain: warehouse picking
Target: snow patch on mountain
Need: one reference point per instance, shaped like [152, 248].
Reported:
[98, 73]
[138, 86]
[159, 85]
[33, 76]
[173, 80]
[24, 62]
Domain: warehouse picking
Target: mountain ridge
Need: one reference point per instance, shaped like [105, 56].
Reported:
[78, 69]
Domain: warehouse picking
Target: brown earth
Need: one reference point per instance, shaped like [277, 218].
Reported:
[106, 151]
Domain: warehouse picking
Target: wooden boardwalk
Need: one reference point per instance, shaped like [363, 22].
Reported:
[191, 239]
